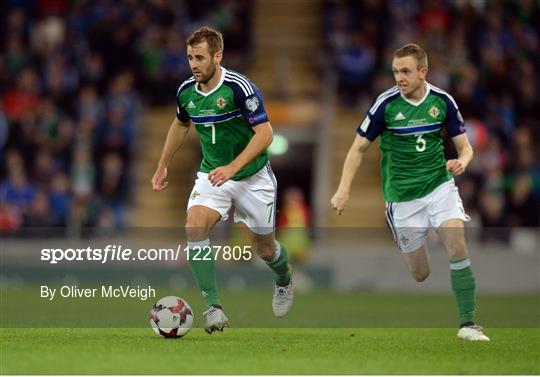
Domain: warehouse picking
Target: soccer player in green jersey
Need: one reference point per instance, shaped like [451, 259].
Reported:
[228, 113]
[418, 184]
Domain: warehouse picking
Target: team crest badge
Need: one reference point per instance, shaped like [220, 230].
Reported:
[221, 103]
[194, 195]
[404, 240]
[434, 112]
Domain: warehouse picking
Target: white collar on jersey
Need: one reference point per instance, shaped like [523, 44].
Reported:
[221, 79]
[428, 89]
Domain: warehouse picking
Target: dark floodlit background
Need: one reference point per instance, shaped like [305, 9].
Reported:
[87, 92]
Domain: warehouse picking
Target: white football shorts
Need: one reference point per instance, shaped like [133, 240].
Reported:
[254, 199]
[410, 221]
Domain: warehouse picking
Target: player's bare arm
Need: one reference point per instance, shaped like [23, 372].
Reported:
[350, 167]
[465, 155]
[258, 143]
[175, 139]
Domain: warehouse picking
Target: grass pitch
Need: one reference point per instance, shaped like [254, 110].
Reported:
[251, 308]
[372, 334]
[268, 351]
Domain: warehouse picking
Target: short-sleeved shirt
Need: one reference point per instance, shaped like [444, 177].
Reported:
[224, 118]
[412, 148]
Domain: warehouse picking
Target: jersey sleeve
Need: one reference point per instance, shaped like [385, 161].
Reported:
[249, 100]
[181, 113]
[454, 121]
[373, 124]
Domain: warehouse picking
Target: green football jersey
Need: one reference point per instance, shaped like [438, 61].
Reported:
[412, 149]
[224, 118]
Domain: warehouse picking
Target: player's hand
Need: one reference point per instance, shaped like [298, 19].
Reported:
[338, 201]
[455, 167]
[220, 175]
[158, 180]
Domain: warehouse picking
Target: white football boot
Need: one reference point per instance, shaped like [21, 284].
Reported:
[215, 320]
[473, 332]
[282, 300]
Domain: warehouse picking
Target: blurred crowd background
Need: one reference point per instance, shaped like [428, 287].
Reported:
[76, 77]
[486, 54]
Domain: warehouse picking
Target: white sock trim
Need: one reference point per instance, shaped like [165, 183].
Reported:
[200, 244]
[461, 264]
[277, 254]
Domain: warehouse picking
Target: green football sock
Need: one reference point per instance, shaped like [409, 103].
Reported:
[280, 264]
[204, 271]
[464, 288]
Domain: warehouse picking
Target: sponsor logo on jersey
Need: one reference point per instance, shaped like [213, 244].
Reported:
[191, 105]
[256, 118]
[252, 104]
[221, 103]
[434, 112]
[399, 116]
[418, 122]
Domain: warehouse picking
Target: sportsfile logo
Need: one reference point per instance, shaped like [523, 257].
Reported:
[118, 253]
[110, 253]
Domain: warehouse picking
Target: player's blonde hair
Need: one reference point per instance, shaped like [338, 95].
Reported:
[213, 37]
[415, 51]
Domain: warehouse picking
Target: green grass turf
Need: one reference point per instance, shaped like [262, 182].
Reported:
[268, 351]
[374, 333]
[252, 308]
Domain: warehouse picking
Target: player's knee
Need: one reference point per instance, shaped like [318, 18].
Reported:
[420, 275]
[457, 249]
[265, 250]
[196, 230]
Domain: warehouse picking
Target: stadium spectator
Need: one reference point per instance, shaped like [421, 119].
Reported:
[39, 214]
[356, 62]
[60, 199]
[17, 191]
[23, 97]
